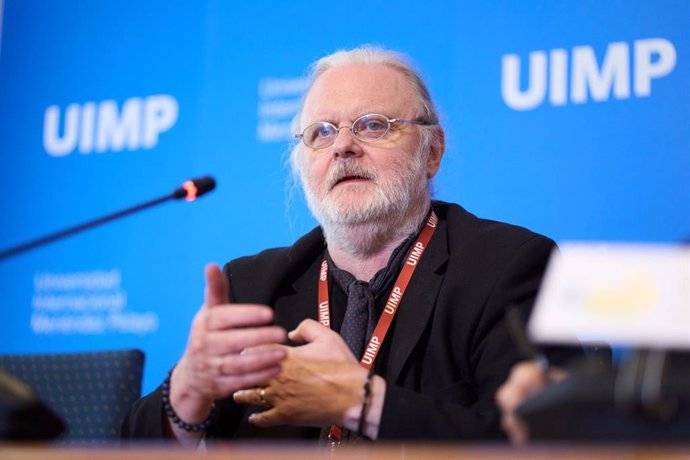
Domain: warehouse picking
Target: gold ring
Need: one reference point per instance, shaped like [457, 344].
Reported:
[220, 365]
[262, 396]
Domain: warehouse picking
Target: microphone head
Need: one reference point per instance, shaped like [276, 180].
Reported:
[194, 188]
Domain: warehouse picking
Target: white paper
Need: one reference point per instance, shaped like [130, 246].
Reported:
[622, 294]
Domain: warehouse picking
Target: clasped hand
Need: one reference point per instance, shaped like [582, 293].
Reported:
[235, 348]
[320, 383]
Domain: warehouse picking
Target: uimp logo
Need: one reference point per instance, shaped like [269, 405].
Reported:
[579, 77]
[103, 126]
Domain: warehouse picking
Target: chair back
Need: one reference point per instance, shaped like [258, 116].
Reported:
[92, 391]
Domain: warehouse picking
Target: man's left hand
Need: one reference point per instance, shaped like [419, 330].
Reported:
[321, 383]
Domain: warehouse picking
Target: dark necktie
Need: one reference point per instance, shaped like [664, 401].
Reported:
[360, 317]
[360, 314]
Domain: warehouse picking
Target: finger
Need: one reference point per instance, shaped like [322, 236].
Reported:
[265, 419]
[524, 380]
[264, 347]
[217, 290]
[515, 429]
[528, 377]
[233, 316]
[246, 364]
[555, 374]
[308, 331]
[257, 396]
[233, 383]
[509, 428]
[244, 396]
[509, 396]
[233, 341]
[502, 398]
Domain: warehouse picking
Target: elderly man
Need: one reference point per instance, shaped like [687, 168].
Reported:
[395, 303]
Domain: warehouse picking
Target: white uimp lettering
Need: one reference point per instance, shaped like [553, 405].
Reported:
[324, 313]
[614, 73]
[558, 77]
[88, 125]
[393, 301]
[645, 69]
[56, 145]
[114, 129]
[433, 220]
[100, 127]
[372, 349]
[415, 253]
[160, 114]
[584, 76]
[324, 270]
[510, 83]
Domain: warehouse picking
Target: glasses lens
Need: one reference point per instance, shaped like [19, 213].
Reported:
[319, 135]
[371, 127]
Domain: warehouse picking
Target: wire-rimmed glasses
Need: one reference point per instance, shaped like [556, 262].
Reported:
[367, 128]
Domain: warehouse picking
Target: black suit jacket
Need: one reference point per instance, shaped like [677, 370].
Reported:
[448, 349]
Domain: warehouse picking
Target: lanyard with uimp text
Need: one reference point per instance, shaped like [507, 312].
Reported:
[372, 350]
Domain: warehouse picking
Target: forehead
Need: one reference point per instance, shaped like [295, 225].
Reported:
[345, 92]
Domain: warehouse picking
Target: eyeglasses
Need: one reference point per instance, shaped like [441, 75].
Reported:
[367, 128]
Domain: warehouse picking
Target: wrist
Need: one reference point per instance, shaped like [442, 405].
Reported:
[365, 416]
[375, 409]
[366, 402]
[356, 399]
[185, 407]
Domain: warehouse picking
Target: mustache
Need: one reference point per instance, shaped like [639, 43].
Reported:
[350, 169]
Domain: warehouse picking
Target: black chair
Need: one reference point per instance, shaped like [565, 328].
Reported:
[90, 391]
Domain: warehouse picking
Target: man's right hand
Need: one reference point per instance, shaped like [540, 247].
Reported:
[213, 365]
[525, 380]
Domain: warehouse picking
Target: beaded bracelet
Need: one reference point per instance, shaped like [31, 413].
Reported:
[170, 412]
[365, 403]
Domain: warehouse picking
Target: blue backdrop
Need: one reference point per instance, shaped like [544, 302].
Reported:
[570, 118]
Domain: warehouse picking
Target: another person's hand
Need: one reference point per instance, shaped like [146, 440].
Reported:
[213, 365]
[321, 383]
[525, 379]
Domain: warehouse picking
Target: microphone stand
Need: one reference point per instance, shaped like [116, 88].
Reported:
[639, 386]
[190, 191]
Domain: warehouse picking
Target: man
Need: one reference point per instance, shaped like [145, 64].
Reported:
[437, 347]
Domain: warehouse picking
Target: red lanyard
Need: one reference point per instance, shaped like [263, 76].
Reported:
[372, 350]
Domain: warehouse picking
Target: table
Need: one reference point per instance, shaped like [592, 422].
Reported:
[293, 451]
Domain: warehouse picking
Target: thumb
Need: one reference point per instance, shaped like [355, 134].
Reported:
[217, 290]
[308, 331]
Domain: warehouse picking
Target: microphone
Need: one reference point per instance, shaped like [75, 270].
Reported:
[190, 191]
[194, 188]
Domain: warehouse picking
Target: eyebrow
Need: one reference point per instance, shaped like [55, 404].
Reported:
[352, 120]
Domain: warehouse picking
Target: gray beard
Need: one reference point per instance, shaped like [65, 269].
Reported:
[392, 212]
[368, 239]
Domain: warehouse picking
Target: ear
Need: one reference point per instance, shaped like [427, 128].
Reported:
[436, 149]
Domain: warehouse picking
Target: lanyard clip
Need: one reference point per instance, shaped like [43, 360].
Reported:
[335, 436]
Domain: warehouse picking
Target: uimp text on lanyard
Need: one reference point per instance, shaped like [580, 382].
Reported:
[371, 351]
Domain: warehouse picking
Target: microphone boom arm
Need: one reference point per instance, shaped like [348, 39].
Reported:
[190, 190]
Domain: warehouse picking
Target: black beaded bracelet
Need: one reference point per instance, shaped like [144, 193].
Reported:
[365, 403]
[170, 412]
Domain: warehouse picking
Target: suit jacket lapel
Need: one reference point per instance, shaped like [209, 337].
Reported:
[418, 303]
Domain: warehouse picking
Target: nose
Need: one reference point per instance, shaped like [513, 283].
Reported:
[346, 145]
